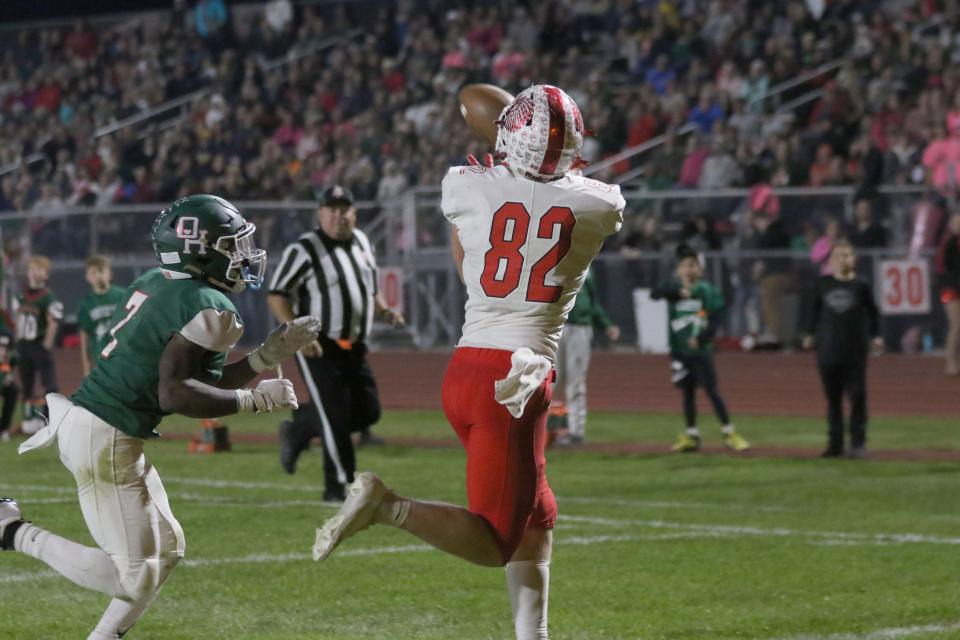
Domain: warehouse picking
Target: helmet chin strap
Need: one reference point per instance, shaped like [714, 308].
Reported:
[237, 287]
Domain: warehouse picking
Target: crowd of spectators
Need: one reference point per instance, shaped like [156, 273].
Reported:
[376, 108]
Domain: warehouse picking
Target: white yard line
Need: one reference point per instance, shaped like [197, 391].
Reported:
[775, 532]
[278, 486]
[884, 634]
[708, 530]
[270, 558]
[661, 504]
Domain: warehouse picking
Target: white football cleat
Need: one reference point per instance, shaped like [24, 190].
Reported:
[9, 514]
[364, 495]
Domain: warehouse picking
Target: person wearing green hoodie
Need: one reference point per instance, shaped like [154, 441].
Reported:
[573, 357]
[694, 306]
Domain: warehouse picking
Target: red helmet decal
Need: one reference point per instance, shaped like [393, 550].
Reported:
[557, 133]
[577, 118]
[518, 113]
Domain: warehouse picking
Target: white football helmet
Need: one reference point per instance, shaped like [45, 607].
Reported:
[540, 133]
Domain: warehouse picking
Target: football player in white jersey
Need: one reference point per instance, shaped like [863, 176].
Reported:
[524, 234]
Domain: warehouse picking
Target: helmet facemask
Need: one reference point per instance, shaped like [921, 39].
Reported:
[246, 263]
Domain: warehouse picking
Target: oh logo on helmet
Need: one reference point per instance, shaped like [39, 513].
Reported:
[188, 229]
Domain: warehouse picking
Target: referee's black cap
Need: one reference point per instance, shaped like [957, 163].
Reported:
[334, 195]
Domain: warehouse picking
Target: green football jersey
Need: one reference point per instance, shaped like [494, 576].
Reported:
[688, 317]
[122, 389]
[94, 316]
[33, 308]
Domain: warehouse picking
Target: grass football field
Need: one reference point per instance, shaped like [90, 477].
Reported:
[653, 547]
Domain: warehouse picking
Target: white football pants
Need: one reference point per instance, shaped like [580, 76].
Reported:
[573, 360]
[126, 510]
[123, 501]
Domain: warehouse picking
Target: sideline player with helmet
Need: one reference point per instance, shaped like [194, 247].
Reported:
[169, 341]
[524, 235]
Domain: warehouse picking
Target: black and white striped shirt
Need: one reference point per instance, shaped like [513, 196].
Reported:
[333, 280]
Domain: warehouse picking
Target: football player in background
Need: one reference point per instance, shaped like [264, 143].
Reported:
[96, 309]
[165, 355]
[524, 234]
[38, 315]
[693, 307]
[573, 358]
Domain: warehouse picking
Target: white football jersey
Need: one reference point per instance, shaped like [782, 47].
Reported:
[527, 248]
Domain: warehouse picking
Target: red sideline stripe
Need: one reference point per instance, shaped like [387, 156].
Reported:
[558, 131]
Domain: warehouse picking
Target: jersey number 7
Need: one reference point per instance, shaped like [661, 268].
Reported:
[503, 262]
[133, 305]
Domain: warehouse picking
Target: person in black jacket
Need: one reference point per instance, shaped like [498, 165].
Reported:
[843, 324]
[948, 271]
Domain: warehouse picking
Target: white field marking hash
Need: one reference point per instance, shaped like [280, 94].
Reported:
[660, 504]
[709, 530]
[266, 558]
[712, 530]
[884, 634]
[776, 532]
[622, 502]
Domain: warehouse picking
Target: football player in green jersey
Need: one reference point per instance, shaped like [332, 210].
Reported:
[694, 306]
[165, 355]
[8, 384]
[96, 310]
[38, 314]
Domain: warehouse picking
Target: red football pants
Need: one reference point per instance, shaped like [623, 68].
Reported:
[506, 466]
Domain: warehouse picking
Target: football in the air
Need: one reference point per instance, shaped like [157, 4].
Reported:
[480, 105]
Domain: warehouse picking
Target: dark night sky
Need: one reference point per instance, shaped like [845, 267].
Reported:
[20, 10]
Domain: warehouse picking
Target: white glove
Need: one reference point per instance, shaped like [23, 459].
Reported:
[283, 342]
[276, 393]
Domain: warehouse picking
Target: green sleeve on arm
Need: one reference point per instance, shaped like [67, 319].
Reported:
[669, 291]
[83, 317]
[598, 315]
[713, 300]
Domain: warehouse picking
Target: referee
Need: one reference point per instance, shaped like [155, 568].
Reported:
[331, 273]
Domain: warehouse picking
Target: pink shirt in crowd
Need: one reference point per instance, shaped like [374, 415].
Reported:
[691, 168]
[820, 254]
[762, 198]
[942, 159]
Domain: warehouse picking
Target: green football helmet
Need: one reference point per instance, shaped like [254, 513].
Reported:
[205, 237]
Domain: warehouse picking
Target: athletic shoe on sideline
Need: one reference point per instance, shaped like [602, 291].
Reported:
[569, 441]
[735, 441]
[334, 496]
[292, 444]
[686, 444]
[857, 453]
[363, 497]
[369, 439]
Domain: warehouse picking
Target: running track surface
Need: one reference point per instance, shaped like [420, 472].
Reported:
[769, 384]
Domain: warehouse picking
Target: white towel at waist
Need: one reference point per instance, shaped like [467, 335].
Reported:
[527, 372]
[58, 406]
